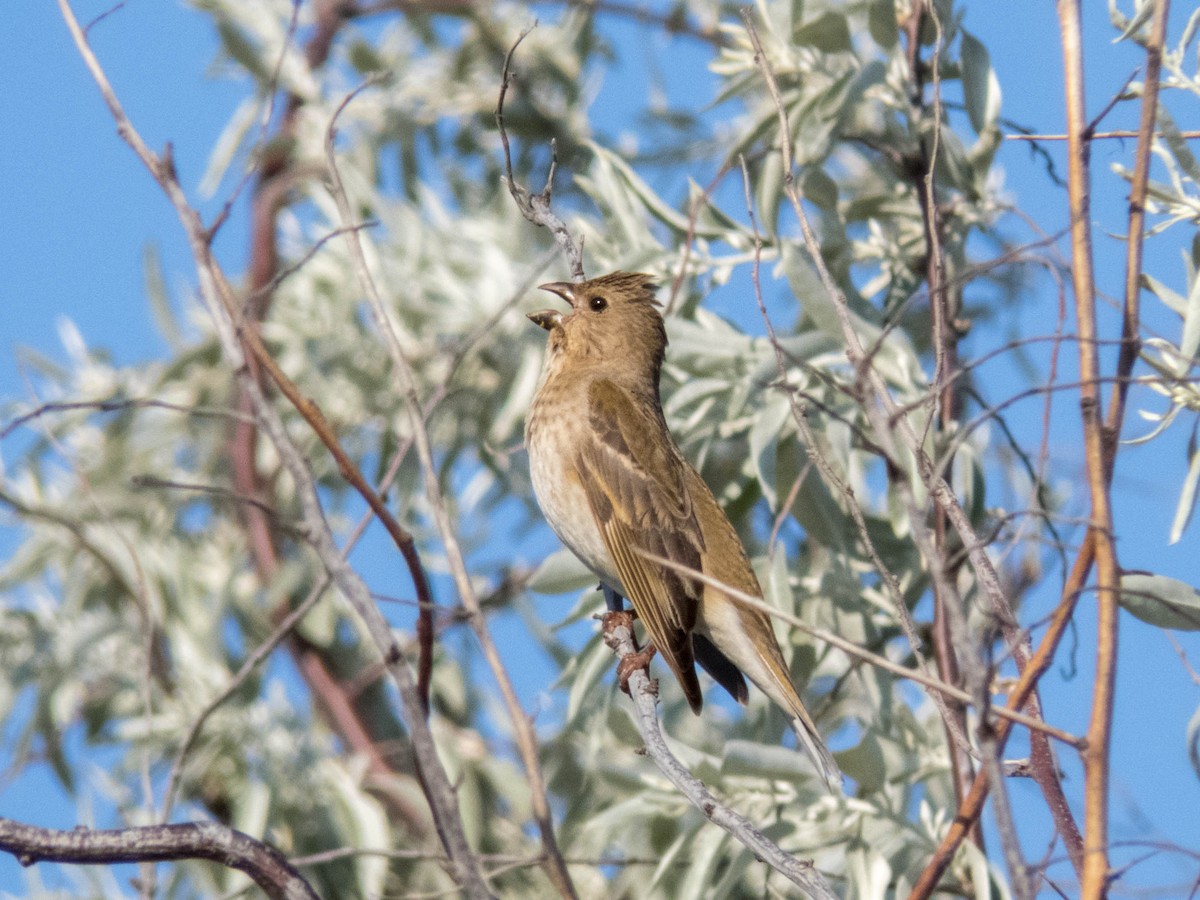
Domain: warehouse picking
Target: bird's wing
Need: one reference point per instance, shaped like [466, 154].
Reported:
[636, 485]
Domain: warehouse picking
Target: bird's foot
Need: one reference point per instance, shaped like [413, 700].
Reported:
[616, 618]
[634, 658]
[631, 663]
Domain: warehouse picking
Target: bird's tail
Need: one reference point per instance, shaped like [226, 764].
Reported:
[811, 741]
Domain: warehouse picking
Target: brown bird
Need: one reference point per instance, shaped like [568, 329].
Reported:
[611, 482]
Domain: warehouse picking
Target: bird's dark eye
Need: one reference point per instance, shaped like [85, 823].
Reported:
[598, 304]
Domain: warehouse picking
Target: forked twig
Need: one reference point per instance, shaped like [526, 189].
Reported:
[535, 207]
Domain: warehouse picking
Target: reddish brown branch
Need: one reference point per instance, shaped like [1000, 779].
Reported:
[972, 805]
[235, 337]
[947, 383]
[1094, 881]
[275, 180]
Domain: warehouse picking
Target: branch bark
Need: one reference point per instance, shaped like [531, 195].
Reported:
[265, 865]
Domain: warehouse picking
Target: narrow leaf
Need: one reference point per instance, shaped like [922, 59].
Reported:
[1162, 601]
[981, 87]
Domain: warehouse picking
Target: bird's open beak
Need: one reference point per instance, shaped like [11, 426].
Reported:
[564, 289]
[546, 318]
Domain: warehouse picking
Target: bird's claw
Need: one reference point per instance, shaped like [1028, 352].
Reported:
[631, 663]
[615, 618]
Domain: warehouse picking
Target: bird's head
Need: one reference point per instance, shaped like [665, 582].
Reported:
[612, 318]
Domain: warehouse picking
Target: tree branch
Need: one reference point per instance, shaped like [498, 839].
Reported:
[405, 383]
[618, 635]
[881, 412]
[1094, 879]
[265, 865]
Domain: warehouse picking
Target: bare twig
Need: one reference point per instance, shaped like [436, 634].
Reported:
[43, 409]
[260, 653]
[1138, 189]
[535, 207]
[947, 387]
[903, 616]
[972, 805]
[265, 865]
[852, 649]
[1096, 136]
[880, 409]
[618, 635]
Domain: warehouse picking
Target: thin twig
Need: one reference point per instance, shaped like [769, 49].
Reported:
[880, 410]
[118, 406]
[849, 647]
[263, 650]
[834, 480]
[1096, 136]
[1094, 879]
[535, 207]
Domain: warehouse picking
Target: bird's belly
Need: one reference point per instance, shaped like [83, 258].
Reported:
[565, 506]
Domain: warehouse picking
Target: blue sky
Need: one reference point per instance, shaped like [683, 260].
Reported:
[79, 210]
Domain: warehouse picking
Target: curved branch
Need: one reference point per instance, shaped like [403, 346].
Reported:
[265, 865]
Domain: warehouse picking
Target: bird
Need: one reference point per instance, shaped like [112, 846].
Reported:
[616, 489]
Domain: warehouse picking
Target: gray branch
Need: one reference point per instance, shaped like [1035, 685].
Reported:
[618, 635]
[265, 865]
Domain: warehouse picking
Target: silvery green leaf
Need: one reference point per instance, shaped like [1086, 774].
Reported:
[772, 761]
[765, 435]
[560, 573]
[1187, 498]
[1162, 601]
[981, 88]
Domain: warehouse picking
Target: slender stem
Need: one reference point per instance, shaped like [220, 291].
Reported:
[1096, 757]
[852, 649]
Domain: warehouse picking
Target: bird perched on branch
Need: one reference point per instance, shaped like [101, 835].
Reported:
[616, 489]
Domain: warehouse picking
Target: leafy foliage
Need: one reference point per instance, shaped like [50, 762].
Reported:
[137, 594]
